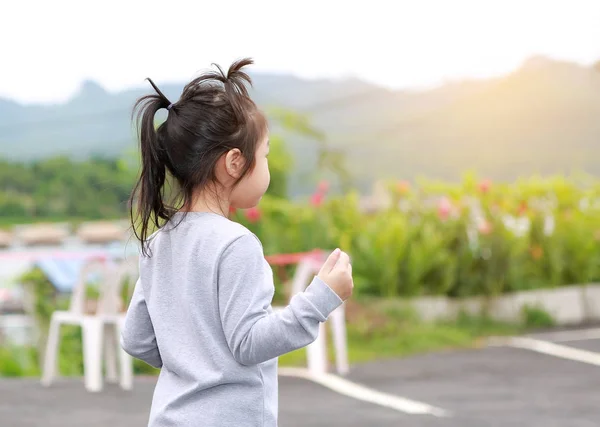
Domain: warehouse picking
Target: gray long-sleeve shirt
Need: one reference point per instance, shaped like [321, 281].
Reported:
[201, 311]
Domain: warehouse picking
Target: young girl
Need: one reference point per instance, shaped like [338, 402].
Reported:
[201, 310]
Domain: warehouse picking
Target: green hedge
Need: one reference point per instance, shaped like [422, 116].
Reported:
[428, 240]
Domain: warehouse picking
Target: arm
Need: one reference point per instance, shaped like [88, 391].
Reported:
[137, 335]
[245, 292]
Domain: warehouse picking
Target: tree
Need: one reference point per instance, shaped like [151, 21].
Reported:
[330, 160]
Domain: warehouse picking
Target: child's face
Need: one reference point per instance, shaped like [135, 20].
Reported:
[253, 186]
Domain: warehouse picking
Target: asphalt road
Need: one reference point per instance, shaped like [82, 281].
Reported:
[488, 388]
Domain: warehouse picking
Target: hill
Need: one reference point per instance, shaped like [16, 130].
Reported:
[543, 117]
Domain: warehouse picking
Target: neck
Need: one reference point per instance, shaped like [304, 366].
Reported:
[208, 201]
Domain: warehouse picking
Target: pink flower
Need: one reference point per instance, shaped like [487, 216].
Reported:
[253, 214]
[485, 227]
[323, 187]
[232, 210]
[317, 199]
[485, 185]
[444, 208]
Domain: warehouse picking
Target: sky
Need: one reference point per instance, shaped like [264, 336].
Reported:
[49, 47]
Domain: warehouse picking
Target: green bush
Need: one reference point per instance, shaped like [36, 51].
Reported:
[536, 317]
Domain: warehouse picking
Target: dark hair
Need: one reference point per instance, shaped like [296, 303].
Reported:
[213, 115]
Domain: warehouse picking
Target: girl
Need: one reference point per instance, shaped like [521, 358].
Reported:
[201, 309]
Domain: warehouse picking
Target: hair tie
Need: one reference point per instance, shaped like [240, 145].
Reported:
[169, 107]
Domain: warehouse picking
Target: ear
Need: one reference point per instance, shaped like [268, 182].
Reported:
[234, 163]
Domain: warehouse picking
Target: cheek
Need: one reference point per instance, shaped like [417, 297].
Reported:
[267, 176]
[257, 182]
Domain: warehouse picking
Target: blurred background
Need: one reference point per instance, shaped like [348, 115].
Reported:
[451, 147]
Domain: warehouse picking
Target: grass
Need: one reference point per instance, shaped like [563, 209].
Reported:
[18, 362]
[374, 332]
[398, 333]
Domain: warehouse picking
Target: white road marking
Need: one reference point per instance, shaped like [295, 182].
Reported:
[574, 335]
[360, 392]
[552, 349]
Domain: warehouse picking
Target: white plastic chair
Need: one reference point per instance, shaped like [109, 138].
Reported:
[316, 352]
[100, 330]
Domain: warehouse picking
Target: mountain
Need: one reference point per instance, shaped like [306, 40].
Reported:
[544, 117]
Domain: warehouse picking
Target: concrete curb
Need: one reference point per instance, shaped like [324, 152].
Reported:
[568, 305]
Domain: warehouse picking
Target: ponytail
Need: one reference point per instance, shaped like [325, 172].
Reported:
[149, 189]
[235, 86]
[234, 82]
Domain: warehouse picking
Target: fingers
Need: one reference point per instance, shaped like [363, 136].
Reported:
[350, 269]
[331, 261]
[344, 260]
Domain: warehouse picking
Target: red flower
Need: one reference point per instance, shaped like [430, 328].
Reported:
[323, 187]
[444, 208]
[403, 187]
[232, 210]
[485, 185]
[253, 214]
[317, 199]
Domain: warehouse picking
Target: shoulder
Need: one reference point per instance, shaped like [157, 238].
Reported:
[240, 244]
[242, 240]
[243, 256]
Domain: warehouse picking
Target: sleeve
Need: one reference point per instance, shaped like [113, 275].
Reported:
[245, 292]
[137, 334]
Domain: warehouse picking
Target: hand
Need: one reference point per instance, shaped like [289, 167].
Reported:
[337, 274]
